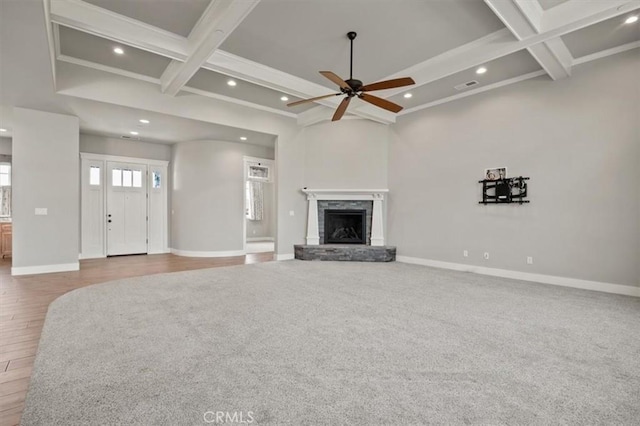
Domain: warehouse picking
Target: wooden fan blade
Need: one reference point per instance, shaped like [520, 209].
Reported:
[341, 109]
[337, 80]
[304, 101]
[388, 84]
[379, 102]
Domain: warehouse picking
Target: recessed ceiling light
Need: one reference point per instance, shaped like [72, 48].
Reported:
[284, 99]
[118, 50]
[481, 70]
[143, 121]
[231, 83]
[408, 95]
[631, 19]
[134, 133]
[3, 130]
[243, 138]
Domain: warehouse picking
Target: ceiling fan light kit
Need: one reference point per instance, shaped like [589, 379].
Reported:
[354, 87]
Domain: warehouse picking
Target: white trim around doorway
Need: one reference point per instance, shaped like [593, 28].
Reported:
[150, 163]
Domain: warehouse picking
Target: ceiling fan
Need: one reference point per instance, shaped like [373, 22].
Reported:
[353, 87]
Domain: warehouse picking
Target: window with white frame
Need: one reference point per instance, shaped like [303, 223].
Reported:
[259, 172]
[127, 178]
[5, 174]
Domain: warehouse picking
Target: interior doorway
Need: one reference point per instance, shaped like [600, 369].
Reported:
[259, 207]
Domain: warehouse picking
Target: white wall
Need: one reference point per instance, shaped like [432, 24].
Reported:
[124, 148]
[208, 195]
[45, 175]
[348, 154]
[5, 146]
[579, 141]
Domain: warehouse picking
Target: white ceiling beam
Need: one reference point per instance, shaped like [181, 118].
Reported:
[524, 18]
[532, 11]
[510, 12]
[214, 26]
[51, 41]
[554, 57]
[104, 23]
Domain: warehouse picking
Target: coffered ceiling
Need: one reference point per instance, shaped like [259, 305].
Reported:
[273, 49]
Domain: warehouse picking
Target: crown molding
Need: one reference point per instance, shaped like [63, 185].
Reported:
[608, 52]
[472, 92]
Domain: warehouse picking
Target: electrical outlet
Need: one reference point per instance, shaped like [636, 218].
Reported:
[529, 260]
[465, 253]
[486, 255]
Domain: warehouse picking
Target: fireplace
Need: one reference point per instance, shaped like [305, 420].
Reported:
[345, 226]
[321, 200]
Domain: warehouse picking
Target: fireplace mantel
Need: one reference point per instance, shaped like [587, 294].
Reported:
[375, 195]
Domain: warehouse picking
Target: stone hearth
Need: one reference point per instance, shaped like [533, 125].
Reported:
[350, 252]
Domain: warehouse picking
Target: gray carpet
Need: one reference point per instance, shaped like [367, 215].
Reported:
[336, 343]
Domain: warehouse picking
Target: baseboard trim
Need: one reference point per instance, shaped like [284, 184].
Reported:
[90, 256]
[287, 256]
[526, 276]
[259, 239]
[189, 253]
[159, 252]
[45, 269]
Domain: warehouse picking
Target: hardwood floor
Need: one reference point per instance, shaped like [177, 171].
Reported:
[24, 301]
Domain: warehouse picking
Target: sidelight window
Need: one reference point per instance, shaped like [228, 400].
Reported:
[94, 176]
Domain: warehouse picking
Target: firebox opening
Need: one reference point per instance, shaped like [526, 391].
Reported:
[345, 226]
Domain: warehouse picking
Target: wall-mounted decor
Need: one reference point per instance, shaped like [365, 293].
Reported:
[495, 173]
[504, 191]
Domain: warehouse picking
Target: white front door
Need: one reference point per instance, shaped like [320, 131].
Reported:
[126, 208]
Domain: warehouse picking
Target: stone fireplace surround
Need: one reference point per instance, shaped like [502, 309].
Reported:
[320, 199]
[333, 205]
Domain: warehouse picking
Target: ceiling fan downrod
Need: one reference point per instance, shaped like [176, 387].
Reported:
[354, 84]
[352, 35]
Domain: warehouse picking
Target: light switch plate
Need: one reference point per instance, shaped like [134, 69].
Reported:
[41, 211]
